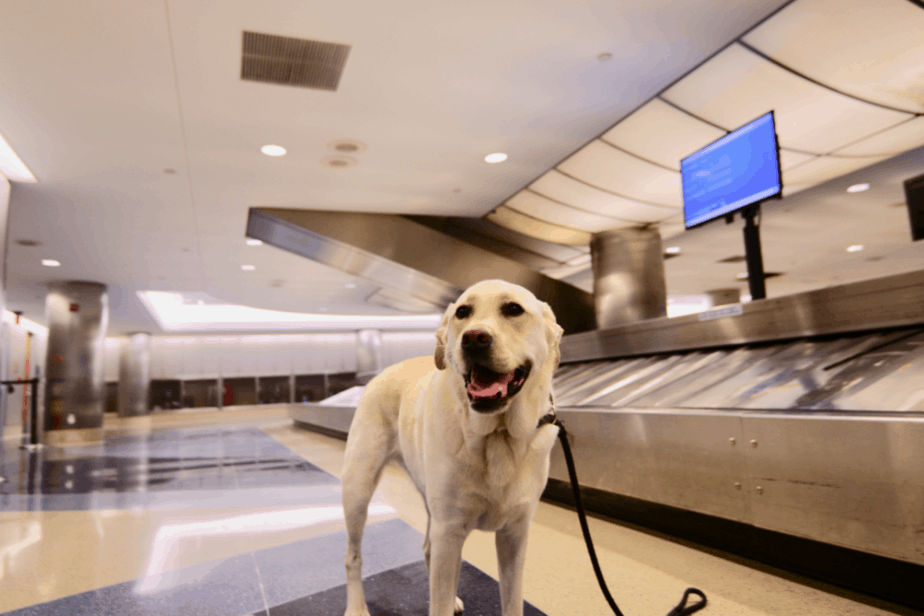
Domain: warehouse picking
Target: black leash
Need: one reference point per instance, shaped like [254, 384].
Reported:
[682, 608]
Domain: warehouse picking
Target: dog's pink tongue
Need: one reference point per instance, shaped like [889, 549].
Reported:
[490, 388]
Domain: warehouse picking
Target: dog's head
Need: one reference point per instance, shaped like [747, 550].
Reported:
[502, 345]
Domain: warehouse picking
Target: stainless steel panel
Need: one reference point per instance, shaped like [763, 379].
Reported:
[337, 418]
[893, 301]
[852, 480]
[401, 254]
[683, 459]
[628, 268]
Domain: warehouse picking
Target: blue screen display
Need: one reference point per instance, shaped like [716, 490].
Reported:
[739, 169]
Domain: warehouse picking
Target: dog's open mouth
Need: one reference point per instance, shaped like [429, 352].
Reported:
[489, 390]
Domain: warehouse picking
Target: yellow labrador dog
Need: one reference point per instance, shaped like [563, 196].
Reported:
[466, 426]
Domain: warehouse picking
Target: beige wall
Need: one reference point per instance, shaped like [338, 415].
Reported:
[4, 215]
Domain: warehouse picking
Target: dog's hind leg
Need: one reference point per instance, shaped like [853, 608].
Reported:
[368, 448]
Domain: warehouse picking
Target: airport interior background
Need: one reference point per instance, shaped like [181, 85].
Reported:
[220, 220]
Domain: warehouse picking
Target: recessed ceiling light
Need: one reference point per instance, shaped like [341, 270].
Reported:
[273, 150]
[347, 146]
[857, 188]
[339, 162]
[672, 250]
[350, 285]
[51, 263]
[855, 248]
[742, 276]
[497, 157]
[248, 268]
[252, 242]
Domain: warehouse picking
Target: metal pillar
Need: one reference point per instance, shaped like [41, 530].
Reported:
[77, 314]
[134, 375]
[368, 354]
[628, 268]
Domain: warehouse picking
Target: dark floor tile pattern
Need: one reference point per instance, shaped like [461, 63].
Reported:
[226, 587]
[170, 460]
[405, 591]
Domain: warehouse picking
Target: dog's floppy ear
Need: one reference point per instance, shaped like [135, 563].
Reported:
[439, 355]
[553, 332]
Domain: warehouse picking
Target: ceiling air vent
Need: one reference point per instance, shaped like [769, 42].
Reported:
[293, 62]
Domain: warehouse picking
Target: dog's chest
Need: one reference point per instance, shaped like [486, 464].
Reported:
[502, 486]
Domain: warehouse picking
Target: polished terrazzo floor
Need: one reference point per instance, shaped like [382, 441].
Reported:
[203, 515]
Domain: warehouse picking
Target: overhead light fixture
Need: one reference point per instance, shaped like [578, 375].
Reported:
[273, 150]
[742, 276]
[252, 242]
[51, 263]
[12, 166]
[350, 285]
[248, 268]
[672, 250]
[855, 248]
[857, 188]
[497, 157]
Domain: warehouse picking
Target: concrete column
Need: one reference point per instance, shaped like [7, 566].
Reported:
[134, 375]
[368, 354]
[77, 315]
[628, 268]
[721, 297]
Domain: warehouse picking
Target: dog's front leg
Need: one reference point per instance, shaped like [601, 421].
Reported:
[445, 562]
[511, 559]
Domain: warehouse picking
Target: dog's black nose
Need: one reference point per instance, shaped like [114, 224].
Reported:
[476, 340]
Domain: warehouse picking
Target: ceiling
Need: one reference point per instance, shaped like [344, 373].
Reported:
[145, 142]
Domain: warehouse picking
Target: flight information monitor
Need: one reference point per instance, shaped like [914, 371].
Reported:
[741, 168]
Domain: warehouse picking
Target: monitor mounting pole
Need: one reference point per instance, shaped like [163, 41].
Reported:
[752, 251]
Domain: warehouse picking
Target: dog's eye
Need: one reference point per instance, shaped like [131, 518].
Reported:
[463, 311]
[512, 309]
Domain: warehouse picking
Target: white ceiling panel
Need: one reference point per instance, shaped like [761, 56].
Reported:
[895, 140]
[826, 168]
[661, 133]
[602, 165]
[738, 85]
[871, 50]
[533, 204]
[533, 227]
[562, 188]
[790, 159]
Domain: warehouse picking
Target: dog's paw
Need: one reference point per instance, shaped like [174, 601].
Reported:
[460, 607]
